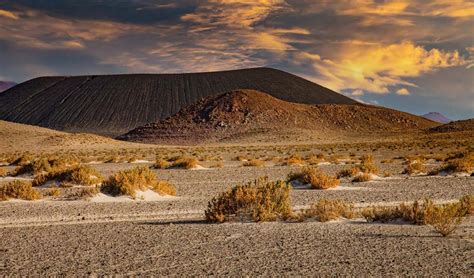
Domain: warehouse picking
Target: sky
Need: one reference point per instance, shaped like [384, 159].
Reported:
[415, 56]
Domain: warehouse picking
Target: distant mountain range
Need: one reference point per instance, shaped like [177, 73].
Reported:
[436, 117]
[5, 85]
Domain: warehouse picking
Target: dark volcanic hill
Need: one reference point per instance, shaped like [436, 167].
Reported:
[5, 85]
[462, 125]
[436, 117]
[245, 113]
[114, 104]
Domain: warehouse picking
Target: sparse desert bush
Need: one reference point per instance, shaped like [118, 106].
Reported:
[81, 174]
[18, 190]
[295, 160]
[314, 177]
[347, 172]
[367, 165]
[127, 182]
[254, 163]
[82, 193]
[164, 187]
[467, 204]
[415, 167]
[445, 218]
[52, 192]
[326, 210]
[185, 162]
[161, 164]
[3, 172]
[217, 165]
[260, 200]
[362, 177]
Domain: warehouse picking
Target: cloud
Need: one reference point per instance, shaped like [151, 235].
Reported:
[233, 13]
[376, 67]
[403, 92]
[8, 14]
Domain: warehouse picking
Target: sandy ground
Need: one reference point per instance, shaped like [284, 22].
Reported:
[169, 237]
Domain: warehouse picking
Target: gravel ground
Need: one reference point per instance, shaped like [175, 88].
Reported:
[169, 238]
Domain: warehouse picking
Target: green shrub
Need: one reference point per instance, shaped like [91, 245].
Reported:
[260, 200]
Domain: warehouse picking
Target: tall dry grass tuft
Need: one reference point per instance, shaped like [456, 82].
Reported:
[18, 190]
[260, 200]
[127, 182]
[314, 177]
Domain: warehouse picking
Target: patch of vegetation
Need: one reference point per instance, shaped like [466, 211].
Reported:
[362, 177]
[18, 190]
[415, 167]
[127, 182]
[254, 163]
[161, 164]
[326, 210]
[444, 218]
[314, 177]
[82, 193]
[3, 172]
[460, 163]
[81, 174]
[295, 160]
[185, 162]
[260, 200]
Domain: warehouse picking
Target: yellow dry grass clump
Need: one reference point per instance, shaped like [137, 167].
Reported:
[260, 200]
[314, 177]
[3, 172]
[127, 182]
[362, 172]
[327, 209]
[444, 218]
[254, 163]
[415, 167]
[80, 175]
[185, 162]
[161, 164]
[18, 190]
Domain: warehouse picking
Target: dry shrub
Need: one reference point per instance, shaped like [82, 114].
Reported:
[367, 165]
[3, 172]
[461, 163]
[260, 200]
[217, 165]
[254, 163]
[18, 190]
[467, 204]
[326, 209]
[295, 160]
[314, 177]
[161, 164]
[164, 187]
[81, 174]
[185, 162]
[127, 182]
[443, 218]
[347, 172]
[414, 167]
[52, 192]
[362, 177]
[82, 193]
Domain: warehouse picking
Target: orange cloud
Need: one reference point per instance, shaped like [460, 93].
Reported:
[8, 14]
[375, 67]
[403, 92]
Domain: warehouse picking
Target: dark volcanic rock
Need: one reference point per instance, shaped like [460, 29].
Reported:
[240, 113]
[114, 104]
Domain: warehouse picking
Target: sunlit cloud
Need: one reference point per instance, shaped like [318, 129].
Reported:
[403, 92]
[374, 68]
[8, 14]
